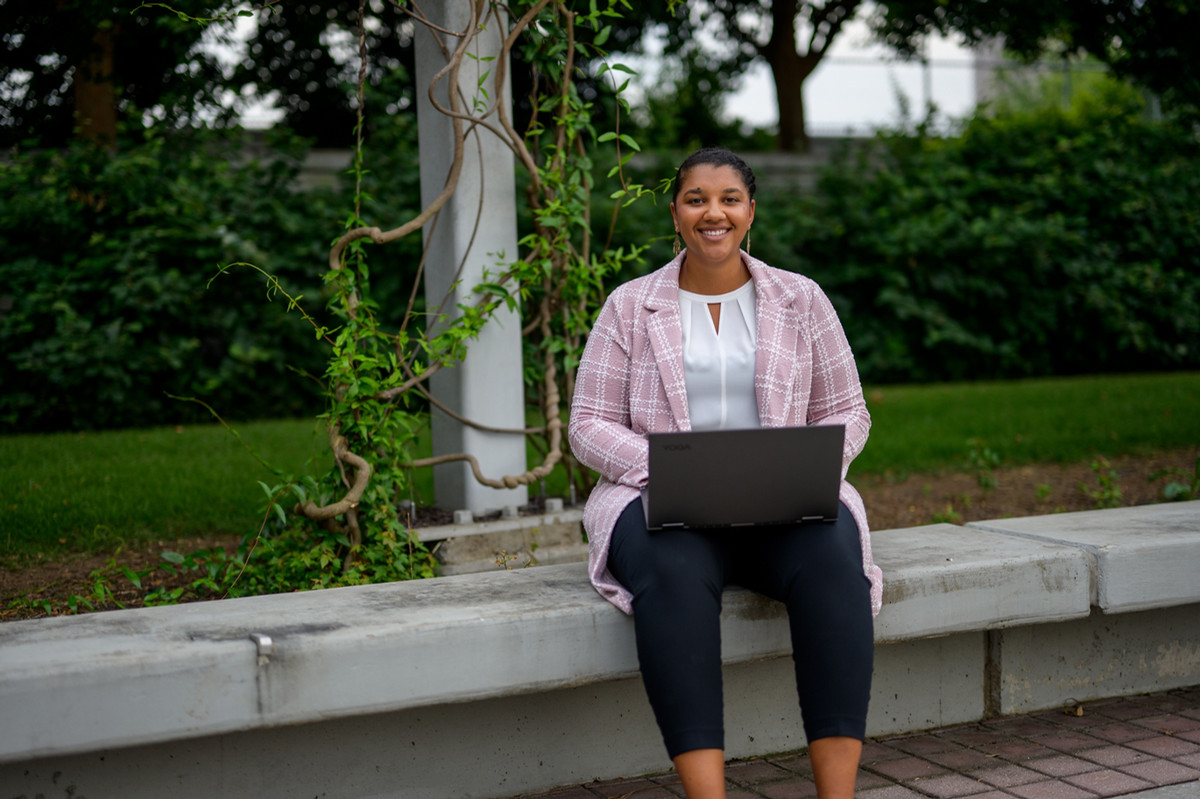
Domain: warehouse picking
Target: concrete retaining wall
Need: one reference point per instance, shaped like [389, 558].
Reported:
[486, 685]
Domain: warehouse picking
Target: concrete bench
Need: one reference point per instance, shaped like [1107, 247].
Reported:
[485, 685]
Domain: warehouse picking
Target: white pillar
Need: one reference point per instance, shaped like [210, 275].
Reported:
[476, 229]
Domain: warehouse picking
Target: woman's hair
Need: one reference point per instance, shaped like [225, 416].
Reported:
[715, 156]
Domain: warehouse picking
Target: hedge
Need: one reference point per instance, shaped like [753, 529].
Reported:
[1045, 243]
[1032, 244]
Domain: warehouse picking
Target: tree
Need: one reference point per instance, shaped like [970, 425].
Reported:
[680, 111]
[81, 67]
[1150, 42]
[791, 36]
[307, 56]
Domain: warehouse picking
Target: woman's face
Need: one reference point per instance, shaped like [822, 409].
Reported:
[712, 212]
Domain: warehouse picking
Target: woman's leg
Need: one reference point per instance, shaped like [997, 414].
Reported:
[816, 570]
[702, 772]
[835, 765]
[676, 578]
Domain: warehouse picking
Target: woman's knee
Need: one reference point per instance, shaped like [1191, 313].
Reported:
[839, 542]
[810, 559]
[679, 568]
[673, 563]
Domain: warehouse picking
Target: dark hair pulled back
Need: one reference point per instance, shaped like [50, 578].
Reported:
[715, 156]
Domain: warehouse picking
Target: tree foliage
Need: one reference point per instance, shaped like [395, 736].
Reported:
[1152, 43]
[791, 36]
[306, 57]
[681, 111]
[57, 55]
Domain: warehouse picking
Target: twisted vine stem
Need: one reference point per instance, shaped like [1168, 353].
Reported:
[549, 258]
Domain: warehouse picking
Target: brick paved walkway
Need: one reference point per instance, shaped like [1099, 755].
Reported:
[1115, 748]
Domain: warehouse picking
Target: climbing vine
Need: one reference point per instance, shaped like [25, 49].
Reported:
[352, 526]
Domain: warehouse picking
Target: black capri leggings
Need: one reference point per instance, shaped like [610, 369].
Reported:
[676, 578]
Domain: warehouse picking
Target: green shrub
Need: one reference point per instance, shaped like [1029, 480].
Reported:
[1038, 243]
[107, 307]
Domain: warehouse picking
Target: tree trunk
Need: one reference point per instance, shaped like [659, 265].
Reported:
[790, 75]
[95, 95]
[789, 69]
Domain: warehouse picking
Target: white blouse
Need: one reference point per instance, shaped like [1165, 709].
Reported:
[718, 366]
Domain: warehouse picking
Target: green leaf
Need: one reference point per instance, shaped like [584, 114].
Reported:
[132, 576]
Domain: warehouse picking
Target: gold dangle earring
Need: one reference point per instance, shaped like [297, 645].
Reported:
[677, 246]
[747, 241]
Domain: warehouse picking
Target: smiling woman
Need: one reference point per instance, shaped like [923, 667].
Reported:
[713, 211]
[769, 352]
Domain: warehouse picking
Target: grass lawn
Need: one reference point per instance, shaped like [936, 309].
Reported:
[93, 492]
[927, 428]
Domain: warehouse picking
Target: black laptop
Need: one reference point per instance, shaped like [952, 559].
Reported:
[744, 478]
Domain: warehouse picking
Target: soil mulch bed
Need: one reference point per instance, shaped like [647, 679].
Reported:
[1032, 490]
[892, 502]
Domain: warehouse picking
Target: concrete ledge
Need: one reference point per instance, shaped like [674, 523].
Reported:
[335, 653]
[968, 612]
[340, 652]
[1043, 665]
[943, 579]
[1143, 557]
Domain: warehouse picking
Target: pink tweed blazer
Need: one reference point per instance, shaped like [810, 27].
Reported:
[630, 382]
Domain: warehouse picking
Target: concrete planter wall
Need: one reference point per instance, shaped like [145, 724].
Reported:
[492, 684]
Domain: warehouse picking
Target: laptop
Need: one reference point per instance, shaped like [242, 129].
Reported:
[744, 478]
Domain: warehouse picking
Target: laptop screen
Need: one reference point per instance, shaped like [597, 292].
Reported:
[744, 478]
